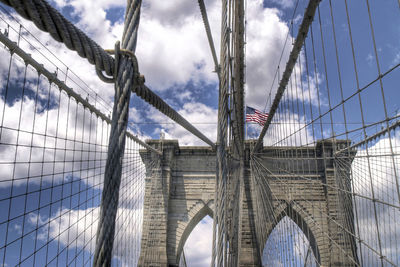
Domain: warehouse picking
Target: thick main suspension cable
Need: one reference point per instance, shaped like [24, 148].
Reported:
[53, 78]
[48, 19]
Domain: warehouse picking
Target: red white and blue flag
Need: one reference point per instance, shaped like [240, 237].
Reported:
[254, 115]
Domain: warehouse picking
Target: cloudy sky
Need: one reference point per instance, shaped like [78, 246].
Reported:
[174, 56]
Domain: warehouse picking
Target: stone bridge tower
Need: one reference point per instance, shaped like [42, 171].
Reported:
[180, 192]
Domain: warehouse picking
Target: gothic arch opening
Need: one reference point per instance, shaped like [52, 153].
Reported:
[198, 246]
[204, 212]
[290, 241]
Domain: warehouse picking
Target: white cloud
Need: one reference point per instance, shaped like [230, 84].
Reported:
[373, 174]
[286, 129]
[198, 245]
[37, 118]
[92, 18]
[174, 12]
[172, 50]
[307, 89]
[396, 59]
[186, 95]
[284, 3]
[55, 57]
[266, 34]
[287, 235]
[369, 59]
[172, 44]
[203, 117]
[38, 129]
[78, 228]
[134, 115]
[382, 170]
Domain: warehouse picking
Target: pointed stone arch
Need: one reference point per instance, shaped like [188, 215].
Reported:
[301, 218]
[180, 191]
[195, 215]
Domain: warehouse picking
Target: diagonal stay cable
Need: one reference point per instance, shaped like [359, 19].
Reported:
[48, 19]
[335, 243]
[332, 219]
[53, 78]
[302, 34]
[156, 101]
[203, 11]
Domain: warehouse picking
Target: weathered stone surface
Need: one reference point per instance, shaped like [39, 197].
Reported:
[180, 188]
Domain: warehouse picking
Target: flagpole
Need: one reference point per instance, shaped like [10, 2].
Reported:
[245, 122]
[245, 136]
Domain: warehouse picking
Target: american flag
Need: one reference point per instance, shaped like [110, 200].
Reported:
[255, 115]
